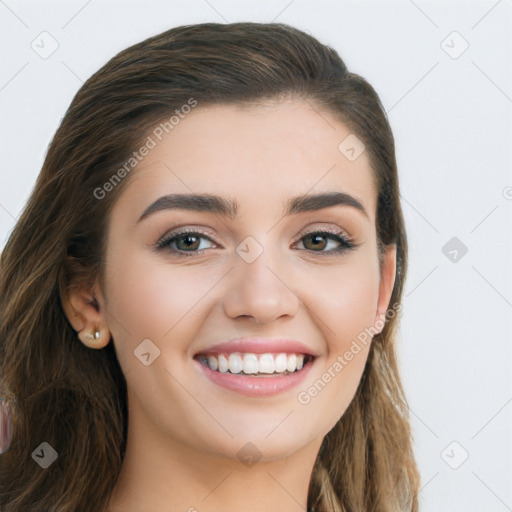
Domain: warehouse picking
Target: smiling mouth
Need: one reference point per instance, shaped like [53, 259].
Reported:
[256, 365]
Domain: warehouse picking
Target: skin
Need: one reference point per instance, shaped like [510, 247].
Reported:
[184, 432]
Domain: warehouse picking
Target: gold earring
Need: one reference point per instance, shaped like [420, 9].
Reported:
[93, 336]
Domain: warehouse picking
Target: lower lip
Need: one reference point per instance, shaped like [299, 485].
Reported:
[257, 386]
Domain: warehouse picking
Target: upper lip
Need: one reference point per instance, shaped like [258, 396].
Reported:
[259, 346]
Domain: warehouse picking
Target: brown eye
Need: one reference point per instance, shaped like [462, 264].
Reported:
[183, 242]
[189, 242]
[318, 241]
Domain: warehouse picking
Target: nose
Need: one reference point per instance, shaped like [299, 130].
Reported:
[260, 290]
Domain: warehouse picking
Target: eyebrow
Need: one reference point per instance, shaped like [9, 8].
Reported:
[229, 208]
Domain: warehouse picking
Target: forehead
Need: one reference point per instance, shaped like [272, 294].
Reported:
[257, 154]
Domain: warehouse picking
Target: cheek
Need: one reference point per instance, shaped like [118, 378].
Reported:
[156, 297]
[345, 305]
[346, 300]
[151, 298]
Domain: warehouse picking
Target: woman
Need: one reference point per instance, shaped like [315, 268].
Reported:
[199, 302]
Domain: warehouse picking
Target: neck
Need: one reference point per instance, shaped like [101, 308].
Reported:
[161, 474]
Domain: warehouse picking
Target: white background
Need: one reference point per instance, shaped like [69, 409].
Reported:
[452, 123]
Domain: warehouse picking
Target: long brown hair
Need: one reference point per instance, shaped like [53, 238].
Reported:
[74, 398]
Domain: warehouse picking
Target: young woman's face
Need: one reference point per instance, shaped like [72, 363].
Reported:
[261, 273]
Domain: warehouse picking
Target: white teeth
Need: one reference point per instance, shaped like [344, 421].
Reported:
[235, 363]
[249, 363]
[291, 362]
[223, 364]
[280, 363]
[212, 361]
[266, 363]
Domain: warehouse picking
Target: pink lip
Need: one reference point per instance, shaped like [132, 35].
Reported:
[256, 386]
[259, 346]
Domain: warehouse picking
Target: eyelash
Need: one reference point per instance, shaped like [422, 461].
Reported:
[346, 244]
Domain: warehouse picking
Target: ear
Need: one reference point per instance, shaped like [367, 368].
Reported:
[387, 282]
[85, 315]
